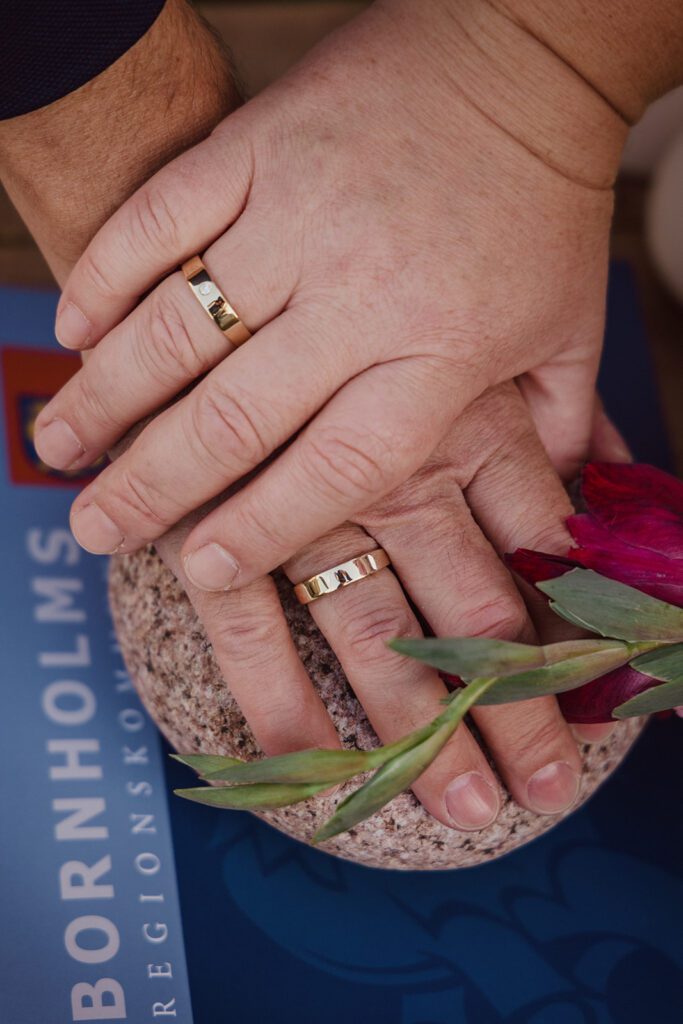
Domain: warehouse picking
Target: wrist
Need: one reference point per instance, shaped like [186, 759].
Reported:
[69, 165]
[496, 66]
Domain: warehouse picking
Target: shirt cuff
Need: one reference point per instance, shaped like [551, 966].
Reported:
[50, 49]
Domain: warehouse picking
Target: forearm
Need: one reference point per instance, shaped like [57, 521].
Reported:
[69, 165]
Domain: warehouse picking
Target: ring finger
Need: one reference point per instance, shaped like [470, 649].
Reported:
[398, 695]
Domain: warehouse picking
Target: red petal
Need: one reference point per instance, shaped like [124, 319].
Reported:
[640, 504]
[534, 566]
[605, 552]
[595, 701]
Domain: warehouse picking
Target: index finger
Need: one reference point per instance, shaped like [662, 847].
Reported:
[180, 210]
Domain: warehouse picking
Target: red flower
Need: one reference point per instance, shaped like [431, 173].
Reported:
[632, 531]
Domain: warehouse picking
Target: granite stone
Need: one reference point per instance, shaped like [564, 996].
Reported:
[171, 663]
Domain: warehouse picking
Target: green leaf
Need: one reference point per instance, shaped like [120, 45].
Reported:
[612, 609]
[399, 773]
[574, 620]
[657, 698]
[559, 677]
[246, 798]
[471, 657]
[316, 766]
[205, 763]
[665, 663]
[302, 766]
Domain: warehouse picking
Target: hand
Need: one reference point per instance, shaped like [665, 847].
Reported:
[396, 253]
[488, 488]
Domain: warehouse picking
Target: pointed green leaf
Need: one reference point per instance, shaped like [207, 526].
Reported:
[307, 766]
[317, 766]
[203, 764]
[560, 677]
[665, 663]
[657, 698]
[574, 620]
[470, 657]
[399, 773]
[246, 798]
[613, 609]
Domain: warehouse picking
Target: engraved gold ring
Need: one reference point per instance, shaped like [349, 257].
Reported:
[338, 576]
[214, 302]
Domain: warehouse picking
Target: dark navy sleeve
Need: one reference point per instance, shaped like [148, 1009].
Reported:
[51, 47]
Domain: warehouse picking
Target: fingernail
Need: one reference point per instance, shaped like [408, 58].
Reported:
[472, 803]
[211, 567]
[95, 531]
[57, 444]
[554, 788]
[593, 732]
[72, 328]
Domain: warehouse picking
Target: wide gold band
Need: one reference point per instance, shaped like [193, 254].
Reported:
[341, 576]
[214, 302]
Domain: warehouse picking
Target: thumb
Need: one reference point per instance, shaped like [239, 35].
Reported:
[561, 399]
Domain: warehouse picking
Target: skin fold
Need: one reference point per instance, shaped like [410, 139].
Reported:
[392, 214]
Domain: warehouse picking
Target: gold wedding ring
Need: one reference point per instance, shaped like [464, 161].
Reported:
[341, 576]
[214, 302]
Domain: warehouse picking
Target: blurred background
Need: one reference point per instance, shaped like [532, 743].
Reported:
[267, 36]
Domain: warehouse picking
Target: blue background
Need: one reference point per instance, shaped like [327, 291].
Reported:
[583, 926]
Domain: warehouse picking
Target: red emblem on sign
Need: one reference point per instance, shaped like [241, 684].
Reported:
[31, 376]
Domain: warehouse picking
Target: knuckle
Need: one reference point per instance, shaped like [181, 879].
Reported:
[226, 429]
[172, 349]
[501, 616]
[148, 509]
[265, 530]
[344, 465]
[154, 224]
[93, 402]
[368, 628]
[244, 637]
[552, 535]
[97, 275]
[280, 724]
[540, 734]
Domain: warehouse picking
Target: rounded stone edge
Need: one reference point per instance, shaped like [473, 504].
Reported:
[171, 664]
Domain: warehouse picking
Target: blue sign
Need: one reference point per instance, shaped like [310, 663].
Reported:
[91, 926]
[582, 926]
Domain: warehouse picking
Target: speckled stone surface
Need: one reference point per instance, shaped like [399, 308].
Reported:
[172, 665]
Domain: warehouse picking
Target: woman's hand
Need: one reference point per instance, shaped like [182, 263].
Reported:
[398, 236]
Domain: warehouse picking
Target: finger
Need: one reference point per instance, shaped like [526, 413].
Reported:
[560, 397]
[606, 443]
[543, 529]
[519, 502]
[258, 661]
[372, 435]
[233, 420]
[167, 342]
[461, 587]
[182, 207]
[398, 694]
